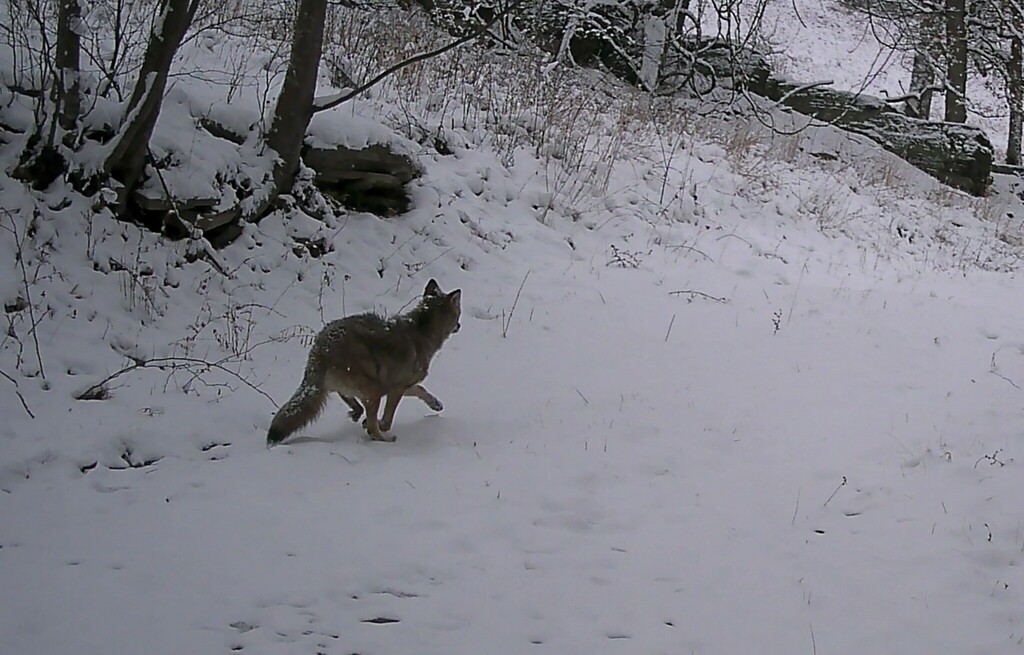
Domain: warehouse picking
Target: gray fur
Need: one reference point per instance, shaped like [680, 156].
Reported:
[367, 358]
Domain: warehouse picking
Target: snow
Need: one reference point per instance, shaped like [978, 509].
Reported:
[814, 39]
[713, 393]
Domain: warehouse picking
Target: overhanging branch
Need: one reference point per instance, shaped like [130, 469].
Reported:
[323, 104]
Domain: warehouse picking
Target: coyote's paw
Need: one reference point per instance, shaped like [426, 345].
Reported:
[386, 438]
[433, 403]
[355, 414]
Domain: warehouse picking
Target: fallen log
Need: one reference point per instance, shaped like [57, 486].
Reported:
[955, 154]
[370, 179]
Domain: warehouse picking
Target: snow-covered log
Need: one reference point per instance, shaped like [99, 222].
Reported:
[370, 179]
[958, 155]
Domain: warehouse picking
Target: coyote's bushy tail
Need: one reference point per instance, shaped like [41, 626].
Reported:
[302, 408]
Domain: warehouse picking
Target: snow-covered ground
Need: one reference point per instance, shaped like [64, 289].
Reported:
[715, 392]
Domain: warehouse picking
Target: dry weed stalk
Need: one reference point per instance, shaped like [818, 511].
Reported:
[21, 238]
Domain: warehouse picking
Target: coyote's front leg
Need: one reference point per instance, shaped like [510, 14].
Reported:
[372, 404]
[393, 399]
[430, 399]
[389, 411]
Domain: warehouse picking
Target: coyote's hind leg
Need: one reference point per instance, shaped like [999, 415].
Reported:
[355, 409]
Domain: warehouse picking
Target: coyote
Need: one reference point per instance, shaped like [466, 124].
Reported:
[365, 357]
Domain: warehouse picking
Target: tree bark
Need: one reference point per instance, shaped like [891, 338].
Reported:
[922, 75]
[956, 64]
[294, 107]
[1015, 87]
[66, 61]
[655, 39]
[127, 159]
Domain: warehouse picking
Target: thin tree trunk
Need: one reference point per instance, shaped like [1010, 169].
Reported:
[127, 159]
[42, 162]
[956, 64]
[922, 75]
[655, 39]
[660, 27]
[294, 107]
[69, 48]
[1015, 87]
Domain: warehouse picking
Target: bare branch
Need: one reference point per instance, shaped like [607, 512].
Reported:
[693, 293]
[20, 255]
[916, 95]
[801, 89]
[324, 104]
[98, 390]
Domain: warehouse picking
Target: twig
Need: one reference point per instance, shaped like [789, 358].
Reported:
[18, 393]
[582, 396]
[691, 249]
[694, 293]
[802, 88]
[174, 363]
[916, 95]
[799, 281]
[734, 236]
[798, 16]
[507, 323]
[1000, 375]
[669, 331]
[238, 356]
[193, 230]
[993, 459]
[28, 292]
[994, 370]
[797, 508]
[342, 456]
[841, 485]
[6, 375]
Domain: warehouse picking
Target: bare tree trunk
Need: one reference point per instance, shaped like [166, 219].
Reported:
[660, 28]
[956, 64]
[655, 39]
[1015, 87]
[66, 61]
[922, 76]
[294, 107]
[127, 159]
[42, 162]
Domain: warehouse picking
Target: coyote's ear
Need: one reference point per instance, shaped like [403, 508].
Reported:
[455, 298]
[432, 289]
